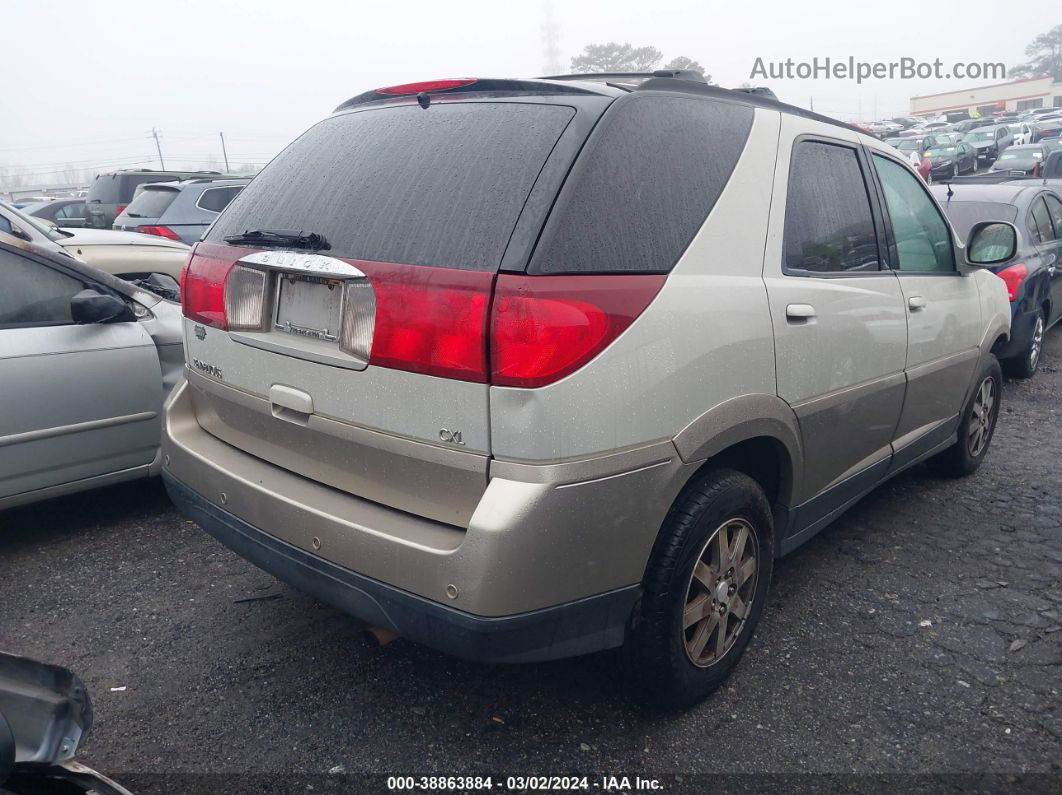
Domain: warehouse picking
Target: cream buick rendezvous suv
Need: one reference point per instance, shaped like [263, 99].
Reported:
[524, 369]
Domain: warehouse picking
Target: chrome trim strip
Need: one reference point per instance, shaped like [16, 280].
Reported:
[304, 263]
[77, 427]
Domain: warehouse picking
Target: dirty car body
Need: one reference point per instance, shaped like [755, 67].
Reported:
[454, 360]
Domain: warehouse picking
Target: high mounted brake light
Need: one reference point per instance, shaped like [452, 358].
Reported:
[426, 86]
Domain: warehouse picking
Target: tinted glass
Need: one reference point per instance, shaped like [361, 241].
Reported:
[923, 240]
[442, 186]
[130, 182]
[963, 215]
[1040, 221]
[646, 180]
[151, 202]
[104, 189]
[217, 199]
[33, 294]
[76, 210]
[829, 227]
[1054, 209]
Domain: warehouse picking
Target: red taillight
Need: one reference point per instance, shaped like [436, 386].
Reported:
[119, 209]
[1013, 276]
[203, 287]
[442, 321]
[546, 327]
[430, 320]
[426, 86]
[160, 231]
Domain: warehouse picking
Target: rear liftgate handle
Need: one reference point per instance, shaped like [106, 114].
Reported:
[290, 404]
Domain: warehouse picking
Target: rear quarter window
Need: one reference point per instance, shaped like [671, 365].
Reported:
[440, 186]
[646, 180]
[217, 199]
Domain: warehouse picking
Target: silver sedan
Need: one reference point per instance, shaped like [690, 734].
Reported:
[86, 361]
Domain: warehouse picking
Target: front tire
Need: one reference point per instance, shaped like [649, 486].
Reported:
[704, 589]
[977, 427]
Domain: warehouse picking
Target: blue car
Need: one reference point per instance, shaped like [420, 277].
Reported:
[1034, 275]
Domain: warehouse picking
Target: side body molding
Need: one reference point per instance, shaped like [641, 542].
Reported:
[740, 419]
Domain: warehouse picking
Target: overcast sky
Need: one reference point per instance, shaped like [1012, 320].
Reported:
[86, 82]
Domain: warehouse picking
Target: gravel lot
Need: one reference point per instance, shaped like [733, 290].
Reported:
[920, 634]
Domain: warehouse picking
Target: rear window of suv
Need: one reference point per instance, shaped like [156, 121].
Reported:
[643, 186]
[151, 202]
[439, 186]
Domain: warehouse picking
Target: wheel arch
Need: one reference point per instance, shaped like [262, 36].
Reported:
[754, 434]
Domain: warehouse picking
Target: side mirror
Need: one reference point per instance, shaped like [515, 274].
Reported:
[90, 306]
[991, 243]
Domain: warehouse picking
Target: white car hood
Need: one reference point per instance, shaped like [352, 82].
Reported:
[109, 237]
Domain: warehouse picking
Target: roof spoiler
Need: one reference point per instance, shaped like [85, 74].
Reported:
[677, 74]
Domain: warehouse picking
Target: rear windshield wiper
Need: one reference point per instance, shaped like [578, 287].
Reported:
[281, 237]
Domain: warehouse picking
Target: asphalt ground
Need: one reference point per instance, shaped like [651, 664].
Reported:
[915, 644]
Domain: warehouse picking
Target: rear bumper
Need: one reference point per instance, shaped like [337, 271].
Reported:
[1021, 332]
[548, 566]
[587, 625]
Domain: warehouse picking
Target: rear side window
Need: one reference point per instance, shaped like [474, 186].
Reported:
[1054, 207]
[829, 226]
[217, 199]
[1040, 221]
[151, 202]
[646, 180]
[438, 186]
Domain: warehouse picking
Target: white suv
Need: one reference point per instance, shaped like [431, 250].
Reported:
[523, 369]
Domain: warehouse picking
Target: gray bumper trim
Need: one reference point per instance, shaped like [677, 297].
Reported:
[580, 627]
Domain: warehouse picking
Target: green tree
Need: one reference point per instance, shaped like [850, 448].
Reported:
[1045, 56]
[613, 57]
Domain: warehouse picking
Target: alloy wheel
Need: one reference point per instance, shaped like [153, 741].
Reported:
[1037, 342]
[720, 592]
[982, 417]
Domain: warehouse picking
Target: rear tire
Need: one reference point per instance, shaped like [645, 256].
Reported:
[704, 590]
[977, 427]
[1027, 362]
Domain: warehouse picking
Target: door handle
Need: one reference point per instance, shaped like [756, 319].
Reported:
[916, 302]
[800, 311]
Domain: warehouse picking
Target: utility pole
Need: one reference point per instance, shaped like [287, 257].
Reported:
[550, 36]
[224, 154]
[158, 147]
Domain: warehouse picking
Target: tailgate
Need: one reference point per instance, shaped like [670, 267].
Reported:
[336, 313]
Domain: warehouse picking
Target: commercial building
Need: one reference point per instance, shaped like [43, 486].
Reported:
[1024, 94]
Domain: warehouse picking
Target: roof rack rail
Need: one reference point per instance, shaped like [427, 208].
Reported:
[678, 74]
